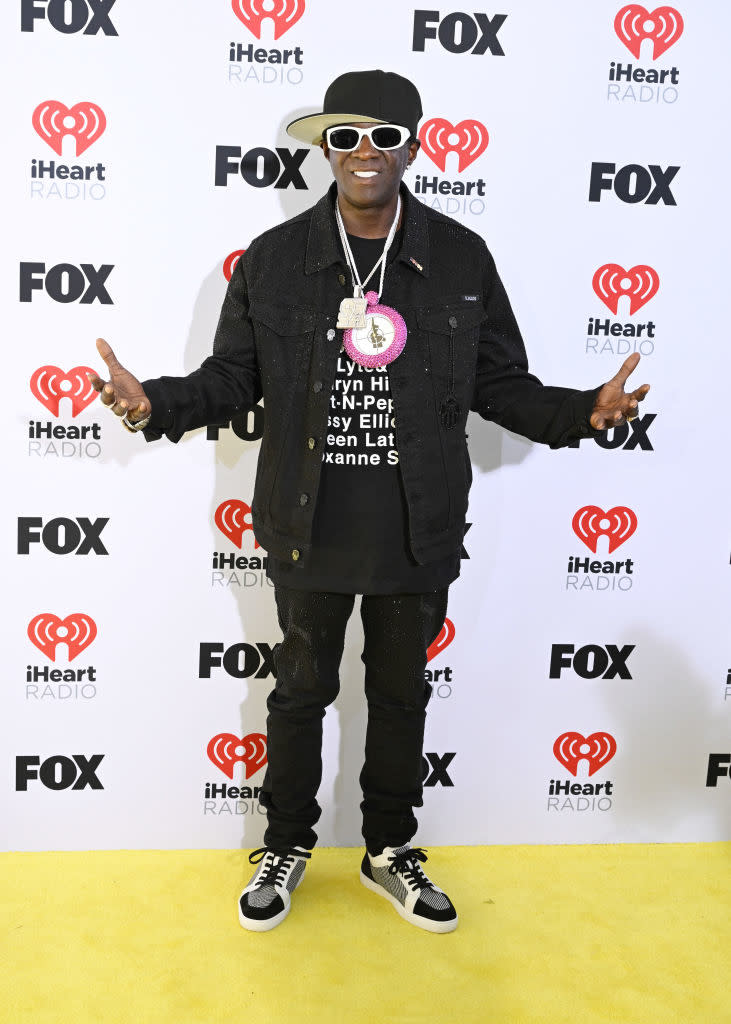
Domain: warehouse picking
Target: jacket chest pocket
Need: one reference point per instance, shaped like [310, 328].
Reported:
[452, 334]
[283, 339]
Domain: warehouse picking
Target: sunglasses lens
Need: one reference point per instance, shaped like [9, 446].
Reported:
[343, 138]
[387, 136]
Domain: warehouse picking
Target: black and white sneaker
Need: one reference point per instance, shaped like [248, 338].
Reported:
[266, 900]
[397, 875]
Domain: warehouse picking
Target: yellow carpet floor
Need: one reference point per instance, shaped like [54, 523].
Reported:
[557, 935]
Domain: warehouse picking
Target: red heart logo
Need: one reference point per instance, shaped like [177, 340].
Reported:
[50, 384]
[230, 518]
[444, 639]
[229, 264]
[634, 23]
[77, 631]
[223, 752]
[597, 749]
[439, 137]
[53, 120]
[611, 281]
[591, 522]
[284, 14]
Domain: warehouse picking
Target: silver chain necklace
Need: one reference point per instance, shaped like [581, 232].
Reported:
[352, 311]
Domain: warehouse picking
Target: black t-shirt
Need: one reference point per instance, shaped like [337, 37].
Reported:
[360, 538]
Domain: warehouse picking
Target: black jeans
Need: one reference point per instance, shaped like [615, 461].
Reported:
[398, 629]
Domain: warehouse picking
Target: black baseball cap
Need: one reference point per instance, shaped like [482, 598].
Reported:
[378, 97]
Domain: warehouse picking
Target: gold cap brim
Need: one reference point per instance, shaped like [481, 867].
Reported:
[310, 129]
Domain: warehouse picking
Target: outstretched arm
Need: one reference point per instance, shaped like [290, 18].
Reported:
[226, 382]
[506, 392]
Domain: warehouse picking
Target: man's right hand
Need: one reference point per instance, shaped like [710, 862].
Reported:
[122, 392]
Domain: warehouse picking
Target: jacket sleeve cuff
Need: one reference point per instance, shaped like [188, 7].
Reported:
[582, 406]
[161, 416]
[585, 407]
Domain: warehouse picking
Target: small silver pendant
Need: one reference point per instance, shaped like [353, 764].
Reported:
[352, 313]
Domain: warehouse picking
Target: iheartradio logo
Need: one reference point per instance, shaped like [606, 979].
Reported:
[444, 639]
[468, 140]
[226, 750]
[229, 264]
[50, 384]
[598, 749]
[591, 522]
[230, 518]
[53, 120]
[284, 14]
[639, 283]
[633, 24]
[77, 631]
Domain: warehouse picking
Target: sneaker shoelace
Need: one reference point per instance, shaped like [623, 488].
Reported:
[406, 864]
[276, 865]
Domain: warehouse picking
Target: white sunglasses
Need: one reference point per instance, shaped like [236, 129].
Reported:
[383, 136]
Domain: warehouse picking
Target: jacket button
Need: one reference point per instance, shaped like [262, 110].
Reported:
[295, 554]
[304, 498]
[330, 334]
[453, 322]
[317, 386]
[341, 279]
[311, 442]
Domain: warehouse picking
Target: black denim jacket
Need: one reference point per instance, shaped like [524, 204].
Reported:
[276, 337]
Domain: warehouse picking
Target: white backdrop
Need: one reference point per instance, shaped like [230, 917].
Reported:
[107, 745]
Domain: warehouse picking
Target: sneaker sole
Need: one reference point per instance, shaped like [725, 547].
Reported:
[437, 927]
[265, 924]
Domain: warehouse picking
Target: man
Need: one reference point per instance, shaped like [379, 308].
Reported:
[371, 325]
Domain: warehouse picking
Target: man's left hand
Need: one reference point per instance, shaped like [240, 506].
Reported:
[613, 405]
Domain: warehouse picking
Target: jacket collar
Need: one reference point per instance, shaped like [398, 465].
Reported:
[323, 243]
